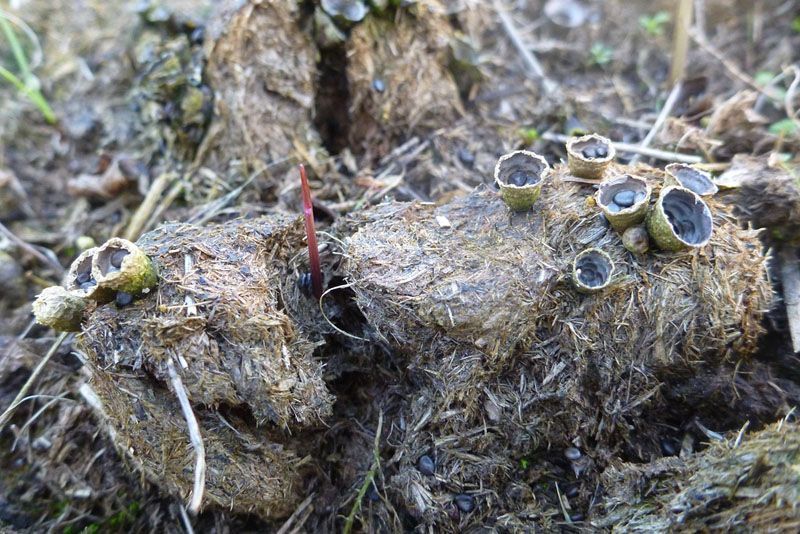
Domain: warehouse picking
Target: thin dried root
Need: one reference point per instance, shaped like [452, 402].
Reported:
[194, 436]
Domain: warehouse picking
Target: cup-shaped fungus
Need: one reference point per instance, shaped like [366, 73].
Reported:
[79, 278]
[592, 270]
[680, 219]
[692, 179]
[589, 156]
[624, 201]
[60, 308]
[520, 175]
[122, 266]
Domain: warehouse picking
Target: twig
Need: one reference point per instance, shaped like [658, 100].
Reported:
[734, 71]
[790, 276]
[30, 249]
[662, 117]
[31, 379]
[195, 437]
[533, 65]
[148, 205]
[662, 155]
[300, 509]
[370, 476]
[680, 40]
[788, 100]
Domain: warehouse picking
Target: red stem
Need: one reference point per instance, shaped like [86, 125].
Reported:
[311, 235]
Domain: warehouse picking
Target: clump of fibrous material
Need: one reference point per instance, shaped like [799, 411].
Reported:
[215, 321]
[589, 156]
[496, 335]
[747, 483]
[624, 200]
[520, 175]
[680, 219]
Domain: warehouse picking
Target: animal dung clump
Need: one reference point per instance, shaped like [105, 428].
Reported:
[624, 200]
[216, 318]
[589, 156]
[680, 219]
[752, 485]
[519, 175]
[494, 333]
[692, 179]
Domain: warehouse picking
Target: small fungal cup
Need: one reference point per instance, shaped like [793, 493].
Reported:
[679, 220]
[60, 309]
[120, 265]
[520, 175]
[624, 200]
[589, 156]
[592, 270]
[80, 278]
[692, 179]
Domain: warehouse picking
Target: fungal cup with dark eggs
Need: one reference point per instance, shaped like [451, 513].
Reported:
[520, 175]
[624, 200]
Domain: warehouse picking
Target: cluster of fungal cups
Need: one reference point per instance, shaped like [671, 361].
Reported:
[116, 271]
[679, 219]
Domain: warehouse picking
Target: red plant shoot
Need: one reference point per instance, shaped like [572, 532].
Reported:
[311, 235]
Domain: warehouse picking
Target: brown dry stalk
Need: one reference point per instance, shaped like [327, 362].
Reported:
[680, 41]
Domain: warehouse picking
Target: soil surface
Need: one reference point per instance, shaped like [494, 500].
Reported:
[452, 378]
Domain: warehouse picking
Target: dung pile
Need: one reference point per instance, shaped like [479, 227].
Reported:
[383, 55]
[516, 375]
[752, 485]
[215, 316]
[262, 69]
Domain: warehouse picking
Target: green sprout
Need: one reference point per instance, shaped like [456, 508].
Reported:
[601, 53]
[796, 24]
[528, 135]
[26, 83]
[784, 128]
[654, 24]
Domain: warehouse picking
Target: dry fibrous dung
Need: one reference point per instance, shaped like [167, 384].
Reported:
[510, 361]
[750, 483]
[248, 372]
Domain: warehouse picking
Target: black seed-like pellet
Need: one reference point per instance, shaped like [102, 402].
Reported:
[668, 447]
[123, 299]
[601, 152]
[572, 492]
[426, 465]
[575, 518]
[613, 207]
[117, 257]
[82, 278]
[379, 85]
[572, 453]
[520, 178]
[372, 493]
[465, 502]
[466, 157]
[198, 35]
[625, 198]
[589, 152]
[87, 285]
[304, 283]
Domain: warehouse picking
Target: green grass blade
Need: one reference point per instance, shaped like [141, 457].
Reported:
[34, 95]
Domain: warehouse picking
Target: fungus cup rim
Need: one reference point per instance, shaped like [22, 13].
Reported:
[674, 169]
[610, 182]
[542, 175]
[697, 200]
[597, 252]
[572, 143]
